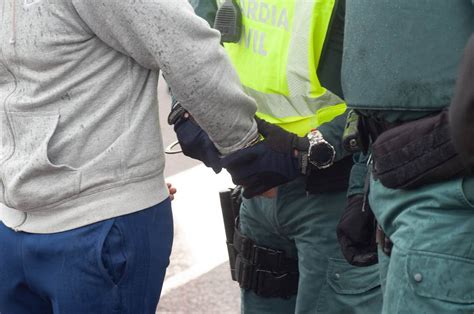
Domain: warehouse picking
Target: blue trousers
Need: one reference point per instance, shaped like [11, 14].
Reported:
[113, 266]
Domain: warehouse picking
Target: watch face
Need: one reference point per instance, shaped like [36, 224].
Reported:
[321, 155]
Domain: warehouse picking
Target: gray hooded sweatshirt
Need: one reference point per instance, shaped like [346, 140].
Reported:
[80, 139]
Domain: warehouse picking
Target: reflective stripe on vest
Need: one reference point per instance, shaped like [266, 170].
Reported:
[277, 58]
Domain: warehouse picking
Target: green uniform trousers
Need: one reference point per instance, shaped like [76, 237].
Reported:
[431, 269]
[304, 226]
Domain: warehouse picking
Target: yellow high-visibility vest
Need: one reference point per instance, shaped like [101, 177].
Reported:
[277, 59]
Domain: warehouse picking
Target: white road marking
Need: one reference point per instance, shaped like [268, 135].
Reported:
[196, 209]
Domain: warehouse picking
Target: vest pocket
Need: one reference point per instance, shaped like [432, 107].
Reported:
[441, 277]
[30, 179]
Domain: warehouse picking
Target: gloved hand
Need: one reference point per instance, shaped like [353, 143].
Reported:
[267, 164]
[280, 139]
[194, 142]
[356, 233]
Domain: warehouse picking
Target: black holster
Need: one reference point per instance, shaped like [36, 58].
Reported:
[267, 272]
[230, 205]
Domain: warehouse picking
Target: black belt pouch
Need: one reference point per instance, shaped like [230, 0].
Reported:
[416, 153]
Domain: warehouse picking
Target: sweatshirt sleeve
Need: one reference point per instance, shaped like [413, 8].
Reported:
[168, 36]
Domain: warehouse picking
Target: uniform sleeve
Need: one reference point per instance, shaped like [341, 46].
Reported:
[168, 36]
[358, 175]
[207, 9]
[332, 132]
[462, 107]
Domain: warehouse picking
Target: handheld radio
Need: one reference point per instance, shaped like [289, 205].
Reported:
[229, 22]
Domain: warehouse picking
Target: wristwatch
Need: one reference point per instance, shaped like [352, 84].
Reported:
[321, 154]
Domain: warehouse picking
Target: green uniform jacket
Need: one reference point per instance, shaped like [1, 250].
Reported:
[402, 56]
[389, 75]
[205, 9]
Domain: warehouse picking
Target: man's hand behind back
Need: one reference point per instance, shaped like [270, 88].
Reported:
[258, 168]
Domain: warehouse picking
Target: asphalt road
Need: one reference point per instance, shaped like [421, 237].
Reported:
[198, 278]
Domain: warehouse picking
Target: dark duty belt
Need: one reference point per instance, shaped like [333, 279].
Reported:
[267, 272]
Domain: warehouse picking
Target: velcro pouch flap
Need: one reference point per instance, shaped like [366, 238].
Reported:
[416, 153]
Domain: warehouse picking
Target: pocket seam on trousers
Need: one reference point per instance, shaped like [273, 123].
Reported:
[462, 194]
[102, 268]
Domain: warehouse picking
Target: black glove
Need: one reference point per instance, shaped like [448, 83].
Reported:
[267, 164]
[280, 139]
[194, 142]
[356, 233]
